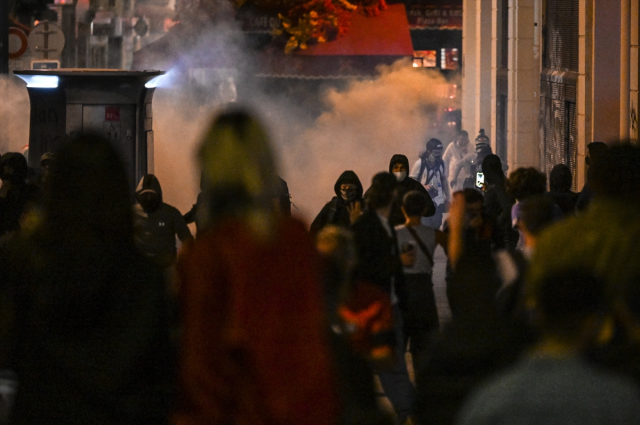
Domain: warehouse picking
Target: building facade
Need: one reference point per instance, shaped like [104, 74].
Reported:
[547, 77]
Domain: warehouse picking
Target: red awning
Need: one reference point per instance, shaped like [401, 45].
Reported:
[370, 41]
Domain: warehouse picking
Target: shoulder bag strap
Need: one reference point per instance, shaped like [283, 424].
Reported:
[421, 244]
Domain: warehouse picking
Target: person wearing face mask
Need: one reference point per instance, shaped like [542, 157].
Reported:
[157, 224]
[431, 172]
[399, 167]
[345, 208]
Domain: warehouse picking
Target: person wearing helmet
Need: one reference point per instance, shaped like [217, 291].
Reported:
[431, 172]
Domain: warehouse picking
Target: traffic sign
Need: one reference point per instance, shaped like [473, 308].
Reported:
[17, 43]
[46, 41]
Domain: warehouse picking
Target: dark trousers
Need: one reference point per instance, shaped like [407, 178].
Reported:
[435, 220]
[395, 382]
[420, 315]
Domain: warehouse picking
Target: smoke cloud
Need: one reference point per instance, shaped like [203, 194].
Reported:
[361, 128]
[15, 111]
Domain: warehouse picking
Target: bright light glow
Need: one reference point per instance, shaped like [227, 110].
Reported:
[40, 81]
[161, 80]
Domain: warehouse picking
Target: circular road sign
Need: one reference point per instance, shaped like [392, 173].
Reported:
[46, 41]
[18, 43]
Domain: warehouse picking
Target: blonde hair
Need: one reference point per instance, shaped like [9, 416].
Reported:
[238, 165]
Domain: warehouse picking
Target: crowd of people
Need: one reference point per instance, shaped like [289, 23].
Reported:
[104, 319]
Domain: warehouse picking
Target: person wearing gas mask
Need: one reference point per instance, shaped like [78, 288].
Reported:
[399, 167]
[431, 172]
[345, 208]
[157, 224]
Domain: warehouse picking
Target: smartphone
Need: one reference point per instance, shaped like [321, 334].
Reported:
[479, 180]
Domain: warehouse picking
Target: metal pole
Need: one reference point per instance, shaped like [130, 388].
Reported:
[625, 68]
[4, 37]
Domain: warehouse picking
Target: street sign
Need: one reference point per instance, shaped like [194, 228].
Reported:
[46, 41]
[17, 43]
[45, 64]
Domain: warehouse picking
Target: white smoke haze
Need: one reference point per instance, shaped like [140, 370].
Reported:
[15, 112]
[361, 128]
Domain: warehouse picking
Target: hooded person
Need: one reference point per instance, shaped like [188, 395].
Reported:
[560, 181]
[16, 195]
[399, 167]
[345, 207]
[157, 223]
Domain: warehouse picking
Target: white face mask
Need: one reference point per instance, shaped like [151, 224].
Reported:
[400, 175]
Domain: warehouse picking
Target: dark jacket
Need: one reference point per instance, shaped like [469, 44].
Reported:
[378, 258]
[83, 317]
[335, 211]
[497, 202]
[560, 180]
[156, 230]
[20, 197]
[408, 184]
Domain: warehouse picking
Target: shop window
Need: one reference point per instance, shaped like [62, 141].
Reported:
[424, 58]
[449, 59]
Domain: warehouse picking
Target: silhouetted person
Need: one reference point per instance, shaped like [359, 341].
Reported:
[553, 384]
[85, 314]
[17, 197]
[524, 183]
[594, 152]
[254, 343]
[604, 238]
[157, 224]
[379, 263]
[497, 202]
[477, 342]
[356, 336]
[560, 181]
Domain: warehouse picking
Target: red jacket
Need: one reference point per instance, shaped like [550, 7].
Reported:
[254, 347]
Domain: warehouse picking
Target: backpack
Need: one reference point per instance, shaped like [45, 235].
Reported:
[439, 167]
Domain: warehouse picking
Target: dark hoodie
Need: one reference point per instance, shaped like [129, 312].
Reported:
[407, 184]
[497, 203]
[335, 211]
[157, 224]
[560, 181]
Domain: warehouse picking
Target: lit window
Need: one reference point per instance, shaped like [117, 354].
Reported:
[449, 58]
[424, 58]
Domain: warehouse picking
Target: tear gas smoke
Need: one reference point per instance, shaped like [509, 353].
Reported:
[361, 128]
[15, 111]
